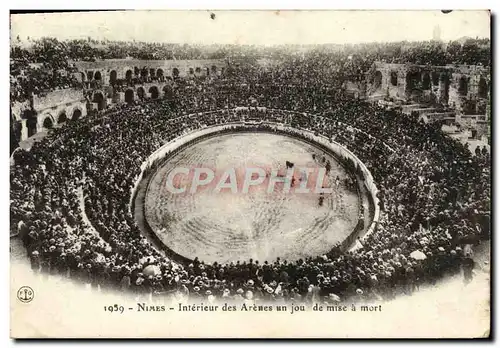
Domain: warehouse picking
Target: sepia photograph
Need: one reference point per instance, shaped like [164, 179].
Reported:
[250, 174]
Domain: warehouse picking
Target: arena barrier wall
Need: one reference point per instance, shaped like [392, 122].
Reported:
[368, 178]
[200, 134]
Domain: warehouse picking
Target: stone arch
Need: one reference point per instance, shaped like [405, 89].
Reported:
[482, 88]
[152, 72]
[128, 75]
[90, 75]
[444, 87]
[62, 117]
[137, 71]
[413, 79]
[144, 72]
[394, 78]
[48, 122]
[159, 74]
[129, 96]
[175, 72]
[113, 76]
[463, 87]
[197, 70]
[153, 91]
[77, 113]
[97, 76]
[191, 71]
[98, 98]
[140, 93]
[377, 80]
[426, 81]
[214, 69]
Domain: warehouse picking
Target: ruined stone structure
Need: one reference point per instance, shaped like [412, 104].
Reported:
[111, 70]
[143, 79]
[137, 79]
[44, 112]
[465, 89]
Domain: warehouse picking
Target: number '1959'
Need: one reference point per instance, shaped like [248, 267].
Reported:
[114, 308]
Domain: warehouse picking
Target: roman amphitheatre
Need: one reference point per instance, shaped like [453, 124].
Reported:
[410, 197]
[231, 226]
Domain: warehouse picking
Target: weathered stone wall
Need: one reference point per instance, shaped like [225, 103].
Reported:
[118, 68]
[56, 98]
[59, 106]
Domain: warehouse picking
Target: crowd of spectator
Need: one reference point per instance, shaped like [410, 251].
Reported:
[71, 194]
[38, 66]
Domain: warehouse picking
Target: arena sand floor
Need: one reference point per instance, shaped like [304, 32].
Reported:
[226, 226]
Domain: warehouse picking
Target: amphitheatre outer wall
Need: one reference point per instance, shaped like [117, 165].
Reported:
[164, 152]
[106, 71]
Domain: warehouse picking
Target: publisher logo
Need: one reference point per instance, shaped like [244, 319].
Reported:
[25, 294]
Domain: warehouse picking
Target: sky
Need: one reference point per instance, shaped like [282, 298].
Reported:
[254, 27]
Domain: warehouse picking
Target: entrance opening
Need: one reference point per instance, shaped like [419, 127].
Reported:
[97, 75]
[481, 109]
[175, 72]
[435, 78]
[140, 93]
[153, 90]
[77, 113]
[112, 77]
[159, 74]
[99, 99]
[444, 88]
[129, 96]
[394, 78]
[128, 75]
[462, 86]
[482, 88]
[62, 117]
[426, 81]
[413, 79]
[31, 125]
[47, 123]
[377, 81]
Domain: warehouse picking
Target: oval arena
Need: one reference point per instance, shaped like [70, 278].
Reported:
[264, 221]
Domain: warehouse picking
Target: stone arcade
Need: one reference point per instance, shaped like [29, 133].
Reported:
[142, 79]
